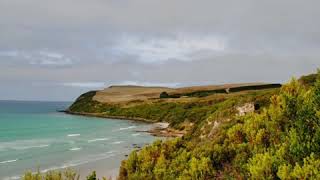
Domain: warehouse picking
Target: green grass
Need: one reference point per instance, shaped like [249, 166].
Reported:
[204, 93]
[174, 112]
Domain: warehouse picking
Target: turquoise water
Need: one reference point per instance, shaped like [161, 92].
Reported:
[34, 136]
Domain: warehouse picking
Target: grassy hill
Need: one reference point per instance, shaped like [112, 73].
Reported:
[238, 131]
[279, 141]
[189, 105]
[124, 94]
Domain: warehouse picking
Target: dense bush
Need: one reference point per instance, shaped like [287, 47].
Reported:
[67, 174]
[308, 80]
[205, 93]
[164, 95]
[281, 141]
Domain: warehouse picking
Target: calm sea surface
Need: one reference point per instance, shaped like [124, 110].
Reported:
[34, 136]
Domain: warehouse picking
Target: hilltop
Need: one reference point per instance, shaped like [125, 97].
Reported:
[120, 94]
[127, 93]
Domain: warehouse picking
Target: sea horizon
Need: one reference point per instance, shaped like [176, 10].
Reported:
[21, 100]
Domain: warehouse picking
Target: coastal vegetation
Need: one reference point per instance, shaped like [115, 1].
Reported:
[204, 93]
[68, 174]
[179, 112]
[280, 141]
[244, 133]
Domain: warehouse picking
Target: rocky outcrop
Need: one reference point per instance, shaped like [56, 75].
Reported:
[214, 129]
[245, 109]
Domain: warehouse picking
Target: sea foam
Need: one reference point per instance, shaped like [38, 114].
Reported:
[81, 161]
[12, 178]
[25, 144]
[75, 149]
[8, 161]
[36, 146]
[130, 127]
[73, 135]
[117, 142]
[98, 139]
[88, 160]
[136, 134]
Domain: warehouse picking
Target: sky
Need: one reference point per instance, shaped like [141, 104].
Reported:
[57, 49]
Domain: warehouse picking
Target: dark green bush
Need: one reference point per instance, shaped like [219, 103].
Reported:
[164, 95]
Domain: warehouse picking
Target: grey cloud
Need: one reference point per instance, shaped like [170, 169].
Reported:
[250, 21]
[72, 43]
[223, 69]
[84, 84]
[154, 84]
[37, 58]
[182, 47]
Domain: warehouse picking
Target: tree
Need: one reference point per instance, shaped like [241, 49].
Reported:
[160, 168]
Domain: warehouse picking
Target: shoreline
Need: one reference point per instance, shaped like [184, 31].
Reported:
[67, 148]
[159, 129]
[109, 116]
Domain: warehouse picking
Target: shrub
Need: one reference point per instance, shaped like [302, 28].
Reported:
[164, 95]
[67, 174]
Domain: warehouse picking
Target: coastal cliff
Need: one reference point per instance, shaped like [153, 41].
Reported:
[230, 131]
[188, 105]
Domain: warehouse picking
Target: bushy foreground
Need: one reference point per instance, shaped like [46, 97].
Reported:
[67, 174]
[281, 141]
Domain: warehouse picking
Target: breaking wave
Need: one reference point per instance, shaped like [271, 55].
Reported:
[73, 135]
[130, 127]
[8, 161]
[98, 139]
[117, 142]
[75, 149]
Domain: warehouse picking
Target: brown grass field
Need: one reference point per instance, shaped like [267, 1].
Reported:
[128, 93]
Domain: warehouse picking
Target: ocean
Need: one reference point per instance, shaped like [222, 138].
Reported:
[34, 136]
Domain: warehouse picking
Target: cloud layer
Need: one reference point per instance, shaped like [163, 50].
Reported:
[66, 47]
[181, 48]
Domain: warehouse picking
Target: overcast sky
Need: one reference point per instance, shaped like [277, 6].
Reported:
[58, 49]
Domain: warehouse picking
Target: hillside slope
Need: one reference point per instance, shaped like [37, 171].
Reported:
[144, 103]
[252, 131]
[123, 94]
[281, 141]
[119, 94]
